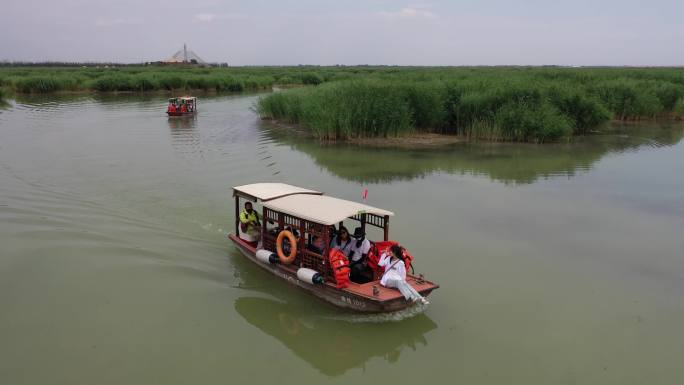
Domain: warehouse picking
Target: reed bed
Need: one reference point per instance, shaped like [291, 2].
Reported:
[531, 105]
[32, 80]
[535, 104]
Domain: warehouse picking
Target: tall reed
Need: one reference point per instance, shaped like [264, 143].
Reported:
[536, 105]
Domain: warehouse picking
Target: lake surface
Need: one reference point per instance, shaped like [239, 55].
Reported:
[558, 264]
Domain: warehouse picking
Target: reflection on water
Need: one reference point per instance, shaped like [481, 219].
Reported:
[329, 339]
[182, 123]
[504, 162]
[184, 136]
[332, 346]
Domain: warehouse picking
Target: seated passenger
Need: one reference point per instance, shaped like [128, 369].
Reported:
[343, 242]
[395, 274]
[358, 261]
[317, 245]
[172, 107]
[250, 225]
[332, 234]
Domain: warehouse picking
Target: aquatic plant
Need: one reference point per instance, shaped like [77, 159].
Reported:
[369, 108]
[343, 109]
[312, 78]
[3, 96]
[46, 84]
[585, 111]
[477, 102]
[513, 104]
[678, 109]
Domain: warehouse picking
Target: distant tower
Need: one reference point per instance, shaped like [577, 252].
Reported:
[185, 56]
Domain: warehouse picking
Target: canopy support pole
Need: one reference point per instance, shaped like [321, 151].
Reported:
[237, 215]
[385, 228]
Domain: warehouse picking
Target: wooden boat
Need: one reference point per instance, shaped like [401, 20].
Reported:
[182, 106]
[313, 214]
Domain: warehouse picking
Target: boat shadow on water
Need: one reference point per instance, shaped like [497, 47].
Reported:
[331, 340]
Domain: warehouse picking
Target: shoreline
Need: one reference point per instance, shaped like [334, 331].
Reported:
[85, 91]
[149, 92]
[431, 139]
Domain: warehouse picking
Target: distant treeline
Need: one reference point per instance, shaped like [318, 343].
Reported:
[91, 64]
[508, 104]
[28, 79]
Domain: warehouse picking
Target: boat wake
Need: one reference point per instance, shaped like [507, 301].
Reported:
[400, 315]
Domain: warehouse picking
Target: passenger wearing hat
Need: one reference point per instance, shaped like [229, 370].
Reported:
[358, 259]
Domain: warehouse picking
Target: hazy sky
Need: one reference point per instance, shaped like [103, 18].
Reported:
[270, 32]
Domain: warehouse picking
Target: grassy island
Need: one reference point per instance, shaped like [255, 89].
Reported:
[503, 104]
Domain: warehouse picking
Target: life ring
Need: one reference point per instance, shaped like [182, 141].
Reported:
[286, 259]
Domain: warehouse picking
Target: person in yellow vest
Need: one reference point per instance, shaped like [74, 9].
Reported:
[250, 224]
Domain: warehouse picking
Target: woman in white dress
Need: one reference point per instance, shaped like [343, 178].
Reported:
[395, 274]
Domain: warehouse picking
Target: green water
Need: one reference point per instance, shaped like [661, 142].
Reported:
[558, 264]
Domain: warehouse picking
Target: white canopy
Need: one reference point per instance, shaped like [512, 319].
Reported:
[321, 209]
[268, 191]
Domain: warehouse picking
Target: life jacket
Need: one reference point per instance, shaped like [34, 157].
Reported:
[184, 108]
[249, 221]
[172, 108]
[380, 248]
[340, 266]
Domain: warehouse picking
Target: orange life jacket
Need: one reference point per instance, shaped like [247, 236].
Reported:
[340, 266]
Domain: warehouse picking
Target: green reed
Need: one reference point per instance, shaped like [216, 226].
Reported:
[491, 103]
[512, 104]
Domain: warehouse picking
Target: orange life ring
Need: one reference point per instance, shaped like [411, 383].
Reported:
[286, 259]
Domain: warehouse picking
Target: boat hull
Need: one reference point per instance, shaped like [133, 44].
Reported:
[180, 113]
[349, 299]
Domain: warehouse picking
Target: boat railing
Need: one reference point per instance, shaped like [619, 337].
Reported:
[306, 230]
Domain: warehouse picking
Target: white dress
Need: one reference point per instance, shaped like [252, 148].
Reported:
[395, 277]
[392, 270]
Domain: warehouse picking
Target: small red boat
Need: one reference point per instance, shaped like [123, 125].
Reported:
[182, 106]
[300, 219]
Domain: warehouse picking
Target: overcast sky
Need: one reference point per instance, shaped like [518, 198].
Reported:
[272, 32]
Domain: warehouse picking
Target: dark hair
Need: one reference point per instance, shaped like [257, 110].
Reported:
[248, 203]
[397, 251]
[338, 235]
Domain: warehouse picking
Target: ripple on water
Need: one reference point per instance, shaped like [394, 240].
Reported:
[396, 316]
